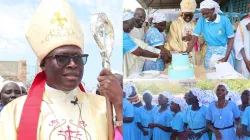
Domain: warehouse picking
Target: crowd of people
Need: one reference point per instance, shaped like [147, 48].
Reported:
[197, 115]
[210, 40]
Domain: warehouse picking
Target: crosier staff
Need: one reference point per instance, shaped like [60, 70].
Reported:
[103, 33]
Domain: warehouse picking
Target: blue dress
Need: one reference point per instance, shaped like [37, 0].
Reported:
[146, 117]
[216, 35]
[162, 118]
[196, 119]
[136, 119]
[177, 122]
[128, 128]
[154, 38]
[241, 114]
[246, 119]
[228, 115]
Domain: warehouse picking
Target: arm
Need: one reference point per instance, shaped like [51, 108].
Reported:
[164, 128]
[238, 130]
[140, 52]
[140, 126]
[230, 35]
[118, 112]
[244, 130]
[196, 34]
[191, 43]
[216, 132]
[128, 120]
[229, 49]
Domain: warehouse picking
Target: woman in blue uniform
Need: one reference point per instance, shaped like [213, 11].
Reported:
[222, 115]
[178, 106]
[244, 109]
[128, 116]
[146, 116]
[195, 115]
[218, 33]
[163, 117]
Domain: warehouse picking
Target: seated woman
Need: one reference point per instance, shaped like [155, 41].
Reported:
[155, 37]
[9, 90]
[162, 118]
[195, 115]
[146, 116]
[178, 106]
[221, 116]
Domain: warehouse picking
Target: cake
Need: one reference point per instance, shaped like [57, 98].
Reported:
[180, 67]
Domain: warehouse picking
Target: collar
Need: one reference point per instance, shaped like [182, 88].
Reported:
[52, 95]
[217, 20]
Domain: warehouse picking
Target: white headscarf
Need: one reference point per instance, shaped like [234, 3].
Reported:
[150, 93]
[181, 102]
[128, 89]
[4, 83]
[21, 84]
[248, 89]
[223, 84]
[127, 16]
[168, 95]
[199, 94]
[159, 17]
[209, 97]
[210, 4]
[147, 91]
[234, 96]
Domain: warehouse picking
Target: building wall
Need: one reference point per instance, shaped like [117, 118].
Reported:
[236, 6]
[13, 70]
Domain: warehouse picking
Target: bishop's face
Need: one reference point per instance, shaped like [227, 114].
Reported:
[62, 72]
[188, 16]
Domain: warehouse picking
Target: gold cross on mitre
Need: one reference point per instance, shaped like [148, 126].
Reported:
[188, 4]
[58, 19]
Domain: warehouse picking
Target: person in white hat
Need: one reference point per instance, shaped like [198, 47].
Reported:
[195, 115]
[128, 114]
[218, 33]
[181, 30]
[178, 106]
[146, 116]
[57, 106]
[156, 37]
[223, 115]
[136, 48]
[163, 117]
[245, 98]
[9, 90]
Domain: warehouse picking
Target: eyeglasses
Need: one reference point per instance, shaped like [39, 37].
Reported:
[64, 60]
[188, 15]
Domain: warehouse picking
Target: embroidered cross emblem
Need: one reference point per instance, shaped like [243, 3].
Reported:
[58, 19]
[188, 4]
[68, 134]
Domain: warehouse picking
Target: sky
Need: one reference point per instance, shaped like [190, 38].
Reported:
[15, 17]
[130, 4]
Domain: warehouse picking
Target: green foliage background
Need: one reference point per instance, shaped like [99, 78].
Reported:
[157, 86]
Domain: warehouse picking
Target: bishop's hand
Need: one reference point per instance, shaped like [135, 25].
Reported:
[110, 87]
